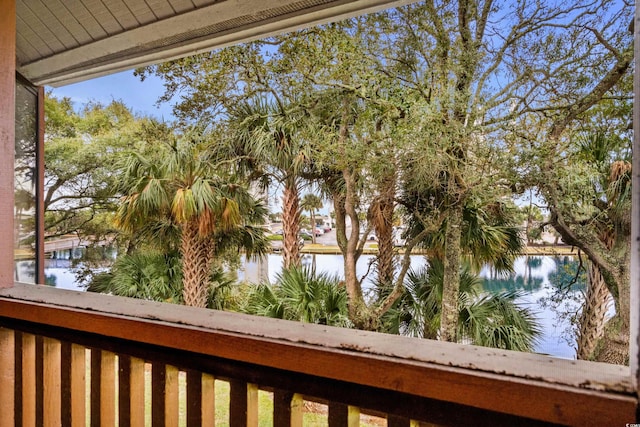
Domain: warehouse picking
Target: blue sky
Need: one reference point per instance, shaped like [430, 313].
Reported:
[140, 96]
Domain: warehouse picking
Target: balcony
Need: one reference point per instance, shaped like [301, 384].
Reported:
[72, 358]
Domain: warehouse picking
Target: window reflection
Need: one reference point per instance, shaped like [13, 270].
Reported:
[25, 182]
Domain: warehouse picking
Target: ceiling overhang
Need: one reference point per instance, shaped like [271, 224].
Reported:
[203, 28]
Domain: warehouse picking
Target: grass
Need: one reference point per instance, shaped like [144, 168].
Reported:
[315, 415]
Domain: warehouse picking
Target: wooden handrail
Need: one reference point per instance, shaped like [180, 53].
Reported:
[440, 382]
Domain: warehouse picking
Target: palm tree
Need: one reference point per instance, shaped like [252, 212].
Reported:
[302, 295]
[180, 187]
[148, 274]
[267, 145]
[611, 216]
[488, 235]
[491, 320]
[311, 202]
[157, 276]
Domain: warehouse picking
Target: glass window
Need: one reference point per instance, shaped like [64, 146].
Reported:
[25, 182]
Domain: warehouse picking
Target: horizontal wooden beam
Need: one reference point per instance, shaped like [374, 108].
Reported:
[189, 33]
[565, 391]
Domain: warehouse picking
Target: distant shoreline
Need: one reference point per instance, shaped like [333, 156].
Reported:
[318, 249]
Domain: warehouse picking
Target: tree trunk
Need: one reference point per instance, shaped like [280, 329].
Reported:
[382, 219]
[196, 265]
[351, 253]
[312, 214]
[451, 280]
[614, 346]
[290, 225]
[592, 318]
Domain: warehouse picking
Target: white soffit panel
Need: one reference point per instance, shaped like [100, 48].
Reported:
[199, 29]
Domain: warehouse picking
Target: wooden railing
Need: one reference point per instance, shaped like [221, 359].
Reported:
[72, 359]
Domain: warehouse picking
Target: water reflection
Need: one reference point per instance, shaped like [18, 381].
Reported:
[551, 287]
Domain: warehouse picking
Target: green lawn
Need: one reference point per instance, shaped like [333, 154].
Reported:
[315, 416]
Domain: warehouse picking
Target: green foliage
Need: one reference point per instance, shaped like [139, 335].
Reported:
[147, 275]
[491, 320]
[311, 202]
[156, 276]
[174, 183]
[82, 152]
[302, 295]
[490, 234]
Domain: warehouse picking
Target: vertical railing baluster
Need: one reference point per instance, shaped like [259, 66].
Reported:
[208, 400]
[194, 398]
[252, 405]
[51, 379]
[164, 395]
[341, 415]
[18, 374]
[201, 398]
[65, 382]
[78, 381]
[243, 404]
[7, 376]
[94, 402]
[124, 390]
[297, 410]
[103, 388]
[158, 375]
[287, 408]
[137, 387]
[39, 362]
[28, 368]
[172, 398]
[108, 389]
[237, 403]
[130, 391]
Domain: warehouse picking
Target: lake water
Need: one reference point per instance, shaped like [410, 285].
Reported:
[539, 278]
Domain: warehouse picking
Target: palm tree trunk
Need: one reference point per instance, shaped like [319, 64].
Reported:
[290, 225]
[451, 280]
[196, 265]
[383, 225]
[592, 318]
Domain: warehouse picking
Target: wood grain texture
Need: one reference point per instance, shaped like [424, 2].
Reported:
[108, 389]
[52, 405]
[452, 377]
[208, 401]
[194, 398]
[137, 386]
[7, 137]
[78, 386]
[252, 405]
[7, 376]
[28, 380]
[158, 389]
[237, 403]
[131, 391]
[171, 397]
